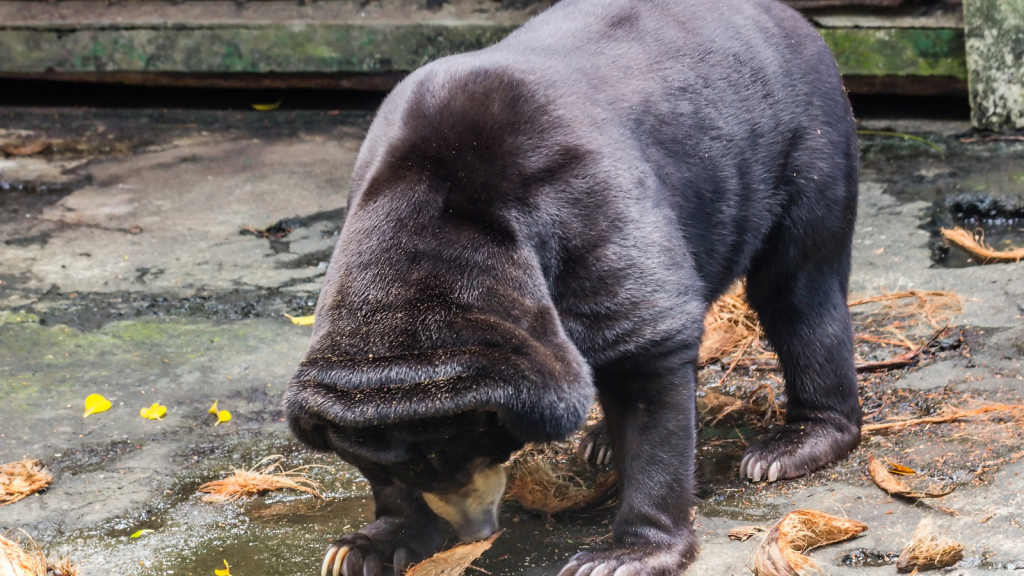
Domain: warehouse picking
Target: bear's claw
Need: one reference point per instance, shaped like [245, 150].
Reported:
[597, 445]
[797, 449]
[341, 560]
[633, 560]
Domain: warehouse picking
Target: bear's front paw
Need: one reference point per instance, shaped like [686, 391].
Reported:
[798, 448]
[360, 555]
[633, 560]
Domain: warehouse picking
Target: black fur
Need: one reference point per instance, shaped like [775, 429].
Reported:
[550, 218]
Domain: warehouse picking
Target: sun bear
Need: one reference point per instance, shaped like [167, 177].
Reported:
[545, 222]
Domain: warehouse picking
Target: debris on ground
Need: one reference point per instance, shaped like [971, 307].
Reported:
[452, 562]
[273, 232]
[62, 567]
[27, 559]
[94, 404]
[271, 477]
[946, 415]
[744, 533]
[883, 323]
[975, 245]
[927, 550]
[29, 149]
[16, 560]
[887, 481]
[301, 320]
[540, 479]
[781, 552]
[22, 479]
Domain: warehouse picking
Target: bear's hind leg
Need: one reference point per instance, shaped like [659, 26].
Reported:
[405, 532]
[803, 311]
[650, 419]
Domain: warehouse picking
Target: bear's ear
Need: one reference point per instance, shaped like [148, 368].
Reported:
[540, 394]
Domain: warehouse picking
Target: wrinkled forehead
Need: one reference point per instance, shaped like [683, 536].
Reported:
[435, 454]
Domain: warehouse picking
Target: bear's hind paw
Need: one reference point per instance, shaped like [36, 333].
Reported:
[632, 561]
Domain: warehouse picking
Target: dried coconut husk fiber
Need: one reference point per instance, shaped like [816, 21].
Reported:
[535, 484]
[272, 476]
[452, 562]
[974, 244]
[927, 550]
[21, 479]
[18, 560]
[781, 552]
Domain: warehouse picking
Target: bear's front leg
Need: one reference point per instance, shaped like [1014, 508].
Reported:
[650, 417]
[405, 532]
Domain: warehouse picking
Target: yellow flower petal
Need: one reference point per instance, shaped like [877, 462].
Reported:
[213, 409]
[301, 320]
[154, 412]
[267, 107]
[223, 416]
[94, 404]
[141, 532]
[225, 572]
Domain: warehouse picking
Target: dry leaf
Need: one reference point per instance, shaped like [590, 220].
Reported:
[452, 562]
[267, 107]
[222, 416]
[536, 485]
[886, 481]
[94, 404]
[900, 469]
[29, 149]
[255, 481]
[781, 552]
[744, 533]
[301, 320]
[225, 572]
[928, 551]
[154, 412]
[21, 479]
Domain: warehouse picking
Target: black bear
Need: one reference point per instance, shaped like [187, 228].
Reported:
[549, 219]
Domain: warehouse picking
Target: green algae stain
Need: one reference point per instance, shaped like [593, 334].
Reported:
[898, 51]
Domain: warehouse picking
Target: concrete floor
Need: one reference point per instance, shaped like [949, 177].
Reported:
[123, 272]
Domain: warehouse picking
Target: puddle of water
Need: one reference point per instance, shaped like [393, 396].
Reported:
[864, 558]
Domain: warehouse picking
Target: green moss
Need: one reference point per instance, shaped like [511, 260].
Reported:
[898, 51]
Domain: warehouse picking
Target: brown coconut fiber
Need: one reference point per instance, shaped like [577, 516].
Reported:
[538, 482]
[452, 562]
[21, 479]
[927, 550]
[781, 552]
[974, 244]
[244, 483]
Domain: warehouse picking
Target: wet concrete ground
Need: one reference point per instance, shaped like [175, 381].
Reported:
[123, 271]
